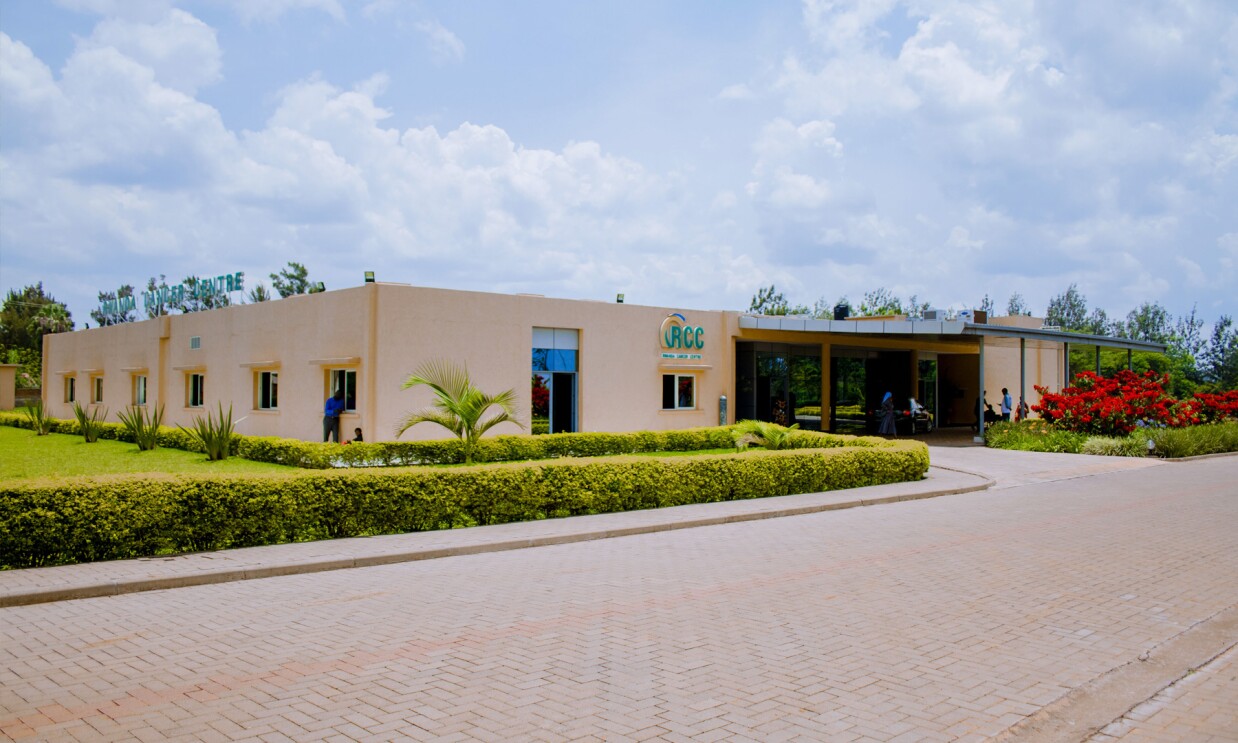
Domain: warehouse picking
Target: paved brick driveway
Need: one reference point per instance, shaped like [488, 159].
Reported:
[945, 619]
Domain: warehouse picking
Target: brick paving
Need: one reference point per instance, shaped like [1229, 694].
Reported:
[1202, 708]
[945, 619]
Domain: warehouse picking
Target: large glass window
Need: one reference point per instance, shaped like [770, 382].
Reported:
[678, 392]
[778, 382]
[195, 390]
[344, 379]
[268, 390]
[139, 389]
[96, 389]
[555, 359]
[70, 389]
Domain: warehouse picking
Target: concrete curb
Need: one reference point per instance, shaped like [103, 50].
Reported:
[673, 518]
[1086, 710]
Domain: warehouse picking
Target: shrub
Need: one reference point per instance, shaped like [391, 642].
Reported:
[40, 421]
[1217, 407]
[114, 518]
[765, 435]
[1114, 446]
[142, 428]
[1214, 438]
[215, 436]
[1113, 406]
[88, 423]
[1033, 435]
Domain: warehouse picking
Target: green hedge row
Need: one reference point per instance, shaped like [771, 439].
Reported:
[114, 518]
[317, 455]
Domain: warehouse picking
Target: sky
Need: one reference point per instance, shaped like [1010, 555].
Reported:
[682, 153]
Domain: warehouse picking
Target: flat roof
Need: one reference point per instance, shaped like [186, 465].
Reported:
[939, 328]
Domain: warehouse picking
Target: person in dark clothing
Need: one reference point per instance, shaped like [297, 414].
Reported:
[331, 416]
[888, 427]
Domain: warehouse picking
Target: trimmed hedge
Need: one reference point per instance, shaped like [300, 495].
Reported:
[123, 517]
[318, 455]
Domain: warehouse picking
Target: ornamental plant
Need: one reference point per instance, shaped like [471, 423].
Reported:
[1117, 405]
[459, 406]
[88, 423]
[215, 436]
[40, 421]
[143, 428]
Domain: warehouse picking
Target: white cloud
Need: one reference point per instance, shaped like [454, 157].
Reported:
[180, 49]
[736, 92]
[445, 47]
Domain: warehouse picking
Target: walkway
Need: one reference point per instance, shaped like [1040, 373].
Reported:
[968, 617]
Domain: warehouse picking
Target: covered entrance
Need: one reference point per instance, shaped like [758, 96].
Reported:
[779, 383]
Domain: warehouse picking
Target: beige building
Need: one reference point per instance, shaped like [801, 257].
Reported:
[576, 365]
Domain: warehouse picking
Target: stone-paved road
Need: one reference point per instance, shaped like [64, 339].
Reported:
[945, 619]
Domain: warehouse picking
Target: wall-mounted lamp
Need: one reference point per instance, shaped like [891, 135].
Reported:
[369, 277]
[618, 299]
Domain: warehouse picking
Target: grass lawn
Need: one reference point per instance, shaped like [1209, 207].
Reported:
[26, 456]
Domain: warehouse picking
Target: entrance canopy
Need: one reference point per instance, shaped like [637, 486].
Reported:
[1022, 334]
[942, 329]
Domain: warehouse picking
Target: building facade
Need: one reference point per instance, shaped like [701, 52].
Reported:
[576, 365]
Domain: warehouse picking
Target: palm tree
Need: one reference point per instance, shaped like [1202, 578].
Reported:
[459, 406]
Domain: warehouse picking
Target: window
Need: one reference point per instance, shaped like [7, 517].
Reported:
[678, 392]
[195, 342]
[268, 390]
[70, 389]
[195, 394]
[96, 389]
[344, 379]
[139, 389]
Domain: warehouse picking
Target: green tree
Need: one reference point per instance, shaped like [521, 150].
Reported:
[459, 406]
[292, 280]
[1097, 323]
[102, 318]
[1220, 359]
[880, 301]
[986, 305]
[1149, 322]
[28, 315]
[769, 301]
[917, 308]
[194, 303]
[1016, 305]
[259, 294]
[1068, 310]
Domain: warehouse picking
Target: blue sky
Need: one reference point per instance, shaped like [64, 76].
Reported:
[682, 153]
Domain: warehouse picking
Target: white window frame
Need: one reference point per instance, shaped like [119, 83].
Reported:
[331, 385]
[96, 389]
[139, 389]
[678, 380]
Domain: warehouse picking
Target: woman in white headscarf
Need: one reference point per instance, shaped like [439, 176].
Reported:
[887, 416]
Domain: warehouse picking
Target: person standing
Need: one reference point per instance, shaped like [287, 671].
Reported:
[888, 427]
[1007, 404]
[331, 416]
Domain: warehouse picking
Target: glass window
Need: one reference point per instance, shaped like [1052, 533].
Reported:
[97, 391]
[553, 359]
[139, 389]
[344, 379]
[268, 390]
[196, 394]
[678, 392]
[70, 389]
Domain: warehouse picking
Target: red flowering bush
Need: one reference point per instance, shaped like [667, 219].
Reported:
[1115, 406]
[1217, 407]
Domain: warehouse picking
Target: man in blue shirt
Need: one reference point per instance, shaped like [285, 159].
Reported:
[1007, 404]
[331, 416]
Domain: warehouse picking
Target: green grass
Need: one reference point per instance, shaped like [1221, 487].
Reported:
[729, 450]
[26, 456]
